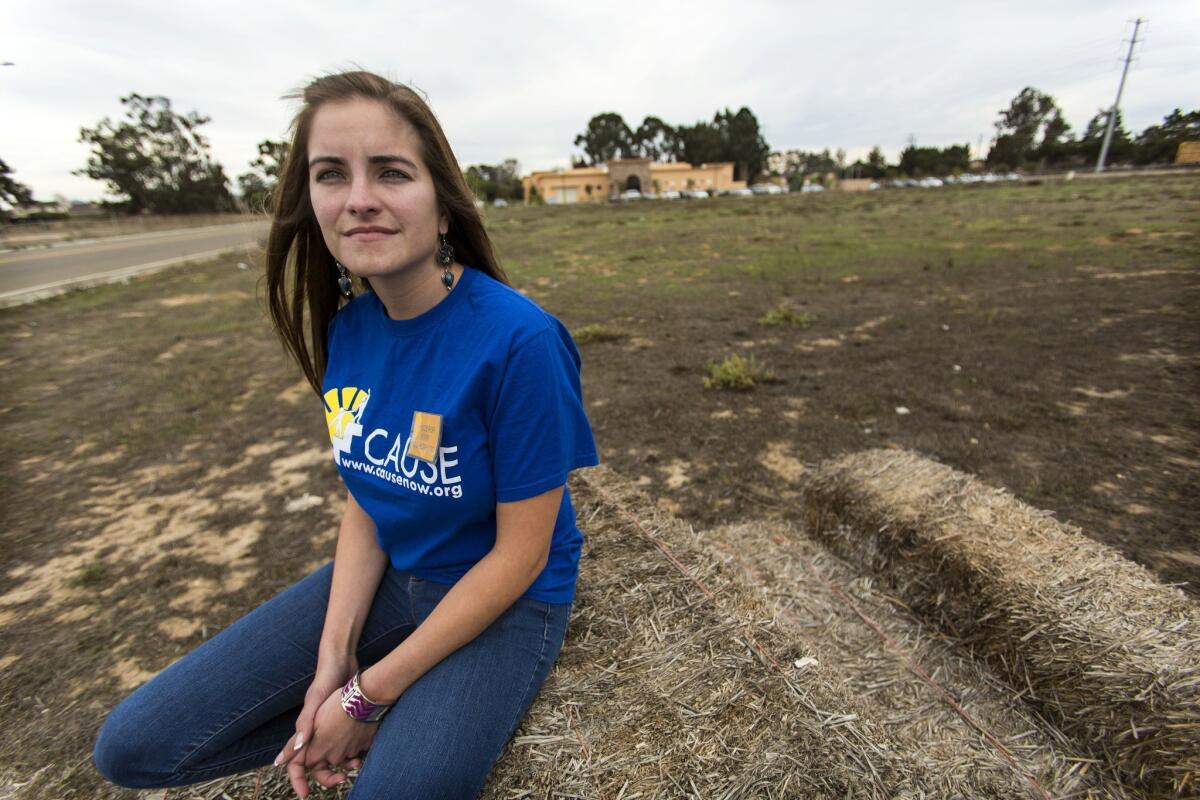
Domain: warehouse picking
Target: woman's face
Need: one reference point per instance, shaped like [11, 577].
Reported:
[371, 193]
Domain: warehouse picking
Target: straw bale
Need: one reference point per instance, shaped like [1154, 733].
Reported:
[1089, 638]
[937, 700]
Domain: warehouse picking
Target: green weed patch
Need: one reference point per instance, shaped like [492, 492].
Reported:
[784, 314]
[598, 333]
[737, 373]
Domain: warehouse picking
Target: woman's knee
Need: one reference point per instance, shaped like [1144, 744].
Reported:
[130, 748]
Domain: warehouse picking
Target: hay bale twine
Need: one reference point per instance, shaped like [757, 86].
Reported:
[1094, 640]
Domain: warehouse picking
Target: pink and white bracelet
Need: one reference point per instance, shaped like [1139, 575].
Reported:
[358, 706]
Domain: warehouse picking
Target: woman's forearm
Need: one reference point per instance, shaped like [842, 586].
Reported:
[358, 567]
[471, 605]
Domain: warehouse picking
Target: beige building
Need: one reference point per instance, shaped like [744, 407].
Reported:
[607, 181]
[854, 184]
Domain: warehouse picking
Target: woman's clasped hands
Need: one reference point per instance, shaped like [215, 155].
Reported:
[326, 736]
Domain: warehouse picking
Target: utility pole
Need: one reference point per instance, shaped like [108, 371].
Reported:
[1112, 113]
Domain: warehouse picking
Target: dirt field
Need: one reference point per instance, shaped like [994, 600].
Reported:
[161, 450]
[1042, 337]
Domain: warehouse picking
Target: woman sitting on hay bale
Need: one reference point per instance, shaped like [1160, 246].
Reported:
[455, 411]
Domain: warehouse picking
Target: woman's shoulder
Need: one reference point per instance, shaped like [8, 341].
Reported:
[500, 307]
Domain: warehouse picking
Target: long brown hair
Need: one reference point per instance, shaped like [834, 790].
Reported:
[295, 244]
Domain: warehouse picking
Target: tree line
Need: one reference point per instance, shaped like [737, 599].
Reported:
[157, 160]
[729, 137]
[153, 160]
[1031, 134]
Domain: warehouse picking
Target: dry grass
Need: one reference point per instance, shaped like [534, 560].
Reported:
[1085, 635]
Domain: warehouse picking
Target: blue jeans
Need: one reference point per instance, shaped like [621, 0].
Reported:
[231, 704]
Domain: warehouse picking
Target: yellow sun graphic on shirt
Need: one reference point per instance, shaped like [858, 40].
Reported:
[343, 414]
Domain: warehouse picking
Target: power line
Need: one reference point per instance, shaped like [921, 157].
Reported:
[1112, 114]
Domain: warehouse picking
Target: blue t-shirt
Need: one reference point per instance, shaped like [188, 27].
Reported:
[503, 374]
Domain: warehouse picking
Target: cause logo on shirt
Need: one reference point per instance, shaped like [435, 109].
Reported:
[344, 408]
[385, 455]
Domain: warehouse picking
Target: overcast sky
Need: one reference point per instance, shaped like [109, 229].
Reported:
[521, 79]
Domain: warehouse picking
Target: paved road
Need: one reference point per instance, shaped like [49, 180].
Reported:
[42, 271]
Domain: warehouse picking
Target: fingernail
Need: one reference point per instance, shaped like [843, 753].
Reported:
[276, 762]
[299, 741]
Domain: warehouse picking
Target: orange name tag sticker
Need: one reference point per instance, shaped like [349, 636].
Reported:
[426, 436]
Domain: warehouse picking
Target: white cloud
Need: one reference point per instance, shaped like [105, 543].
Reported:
[521, 79]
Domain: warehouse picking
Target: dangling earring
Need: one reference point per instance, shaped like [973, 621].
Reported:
[445, 258]
[343, 279]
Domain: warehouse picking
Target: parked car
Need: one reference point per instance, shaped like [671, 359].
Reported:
[928, 183]
[809, 188]
[741, 191]
[1012, 176]
[766, 188]
[670, 194]
[499, 202]
[631, 194]
[872, 185]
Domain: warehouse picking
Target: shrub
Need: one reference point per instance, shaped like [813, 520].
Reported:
[91, 575]
[598, 333]
[784, 314]
[737, 373]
